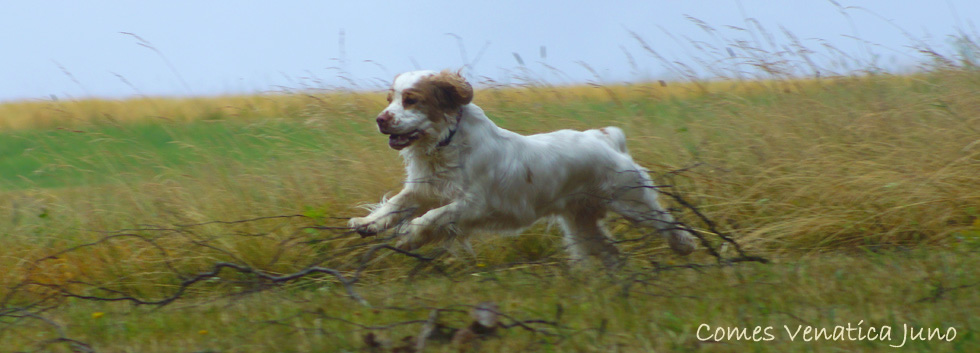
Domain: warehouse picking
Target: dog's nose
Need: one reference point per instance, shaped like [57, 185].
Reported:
[384, 118]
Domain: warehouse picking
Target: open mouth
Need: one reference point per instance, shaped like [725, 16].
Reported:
[399, 141]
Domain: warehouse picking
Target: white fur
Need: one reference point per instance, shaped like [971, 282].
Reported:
[406, 120]
[488, 179]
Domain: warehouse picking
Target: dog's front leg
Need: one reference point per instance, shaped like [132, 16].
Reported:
[388, 214]
[438, 224]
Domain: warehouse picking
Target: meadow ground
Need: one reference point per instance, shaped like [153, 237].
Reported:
[217, 224]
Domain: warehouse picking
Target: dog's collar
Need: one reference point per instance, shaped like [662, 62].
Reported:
[452, 132]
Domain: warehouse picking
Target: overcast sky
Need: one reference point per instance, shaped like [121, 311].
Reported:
[75, 49]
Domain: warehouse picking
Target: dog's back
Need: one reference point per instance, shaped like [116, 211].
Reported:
[614, 136]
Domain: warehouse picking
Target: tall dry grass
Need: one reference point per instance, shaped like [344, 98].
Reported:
[785, 159]
[786, 155]
[857, 162]
[816, 164]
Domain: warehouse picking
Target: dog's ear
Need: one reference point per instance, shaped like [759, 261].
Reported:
[454, 91]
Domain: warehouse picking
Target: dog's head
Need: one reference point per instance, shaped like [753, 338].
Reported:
[423, 107]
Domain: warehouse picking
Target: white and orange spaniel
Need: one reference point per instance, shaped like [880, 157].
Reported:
[466, 174]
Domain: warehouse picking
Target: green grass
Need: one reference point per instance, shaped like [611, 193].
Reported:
[863, 190]
[643, 311]
[104, 154]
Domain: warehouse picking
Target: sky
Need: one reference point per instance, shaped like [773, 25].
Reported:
[119, 49]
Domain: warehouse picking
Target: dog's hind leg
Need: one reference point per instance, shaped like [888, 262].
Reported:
[585, 236]
[637, 201]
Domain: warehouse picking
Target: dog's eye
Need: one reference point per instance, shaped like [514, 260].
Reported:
[409, 101]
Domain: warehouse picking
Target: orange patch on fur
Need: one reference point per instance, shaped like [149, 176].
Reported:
[442, 93]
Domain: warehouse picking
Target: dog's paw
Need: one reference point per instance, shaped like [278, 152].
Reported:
[682, 242]
[364, 226]
[413, 236]
[406, 243]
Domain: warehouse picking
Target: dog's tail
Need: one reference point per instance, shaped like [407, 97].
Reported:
[615, 137]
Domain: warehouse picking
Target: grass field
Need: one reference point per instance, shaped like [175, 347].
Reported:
[863, 192]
